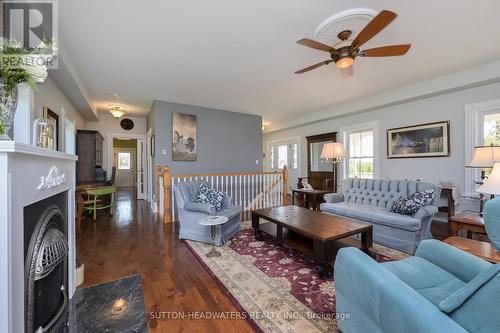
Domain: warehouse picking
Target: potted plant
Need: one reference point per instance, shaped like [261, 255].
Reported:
[17, 66]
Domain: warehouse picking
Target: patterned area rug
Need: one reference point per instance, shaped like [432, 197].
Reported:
[276, 287]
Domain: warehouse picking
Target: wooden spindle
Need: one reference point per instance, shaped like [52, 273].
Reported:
[285, 186]
[167, 188]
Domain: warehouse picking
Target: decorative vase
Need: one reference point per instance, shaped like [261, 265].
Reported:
[8, 105]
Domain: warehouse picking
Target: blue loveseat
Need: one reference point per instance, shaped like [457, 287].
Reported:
[370, 200]
[190, 212]
[440, 289]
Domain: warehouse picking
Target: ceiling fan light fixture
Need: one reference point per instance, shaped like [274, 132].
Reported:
[344, 62]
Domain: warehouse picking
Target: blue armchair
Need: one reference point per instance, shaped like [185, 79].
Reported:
[190, 212]
[440, 289]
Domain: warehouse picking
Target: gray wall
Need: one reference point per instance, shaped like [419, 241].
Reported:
[443, 107]
[227, 141]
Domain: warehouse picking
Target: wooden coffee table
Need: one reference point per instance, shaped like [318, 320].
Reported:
[313, 233]
[480, 249]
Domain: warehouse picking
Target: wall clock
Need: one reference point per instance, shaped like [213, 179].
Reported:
[127, 124]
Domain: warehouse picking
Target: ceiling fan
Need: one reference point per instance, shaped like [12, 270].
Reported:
[344, 52]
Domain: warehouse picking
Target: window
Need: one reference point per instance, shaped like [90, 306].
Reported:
[360, 159]
[283, 154]
[123, 161]
[491, 129]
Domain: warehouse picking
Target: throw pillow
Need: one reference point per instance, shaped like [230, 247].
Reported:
[411, 203]
[207, 195]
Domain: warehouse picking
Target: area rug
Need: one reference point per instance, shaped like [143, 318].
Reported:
[275, 287]
[91, 307]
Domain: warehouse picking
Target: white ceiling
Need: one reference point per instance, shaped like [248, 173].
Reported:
[241, 55]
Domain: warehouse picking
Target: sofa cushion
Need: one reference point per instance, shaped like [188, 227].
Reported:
[373, 214]
[207, 195]
[429, 280]
[411, 203]
[456, 299]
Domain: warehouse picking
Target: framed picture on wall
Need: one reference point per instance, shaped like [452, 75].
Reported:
[49, 114]
[425, 140]
[184, 137]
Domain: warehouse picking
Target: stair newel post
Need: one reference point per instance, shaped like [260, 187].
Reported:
[285, 186]
[158, 176]
[167, 188]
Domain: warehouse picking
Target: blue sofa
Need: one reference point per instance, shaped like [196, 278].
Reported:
[190, 212]
[440, 289]
[369, 200]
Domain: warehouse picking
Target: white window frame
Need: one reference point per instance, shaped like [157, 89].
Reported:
[344, 133]
[474, 116]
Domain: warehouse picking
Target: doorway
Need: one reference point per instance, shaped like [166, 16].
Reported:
[125, 162]
[285, 152]
[138, 162]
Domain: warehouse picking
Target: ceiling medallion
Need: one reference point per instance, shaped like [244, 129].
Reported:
[353, 20]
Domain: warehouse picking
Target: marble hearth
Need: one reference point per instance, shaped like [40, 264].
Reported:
[29, 175]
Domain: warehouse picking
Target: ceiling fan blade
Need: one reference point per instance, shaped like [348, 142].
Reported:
[346, 73]
[315, 45]
[379, 22]
[386, 51]
[307, 69]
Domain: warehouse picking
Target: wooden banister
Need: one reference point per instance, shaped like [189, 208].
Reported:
[187, 175]
[285, 186]
[167, 188]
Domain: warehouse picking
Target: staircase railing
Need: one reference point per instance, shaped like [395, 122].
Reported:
[251, 190]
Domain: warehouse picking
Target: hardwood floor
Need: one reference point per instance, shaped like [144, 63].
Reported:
[134, 241]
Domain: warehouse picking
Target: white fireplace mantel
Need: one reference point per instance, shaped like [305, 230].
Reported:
[28, 174]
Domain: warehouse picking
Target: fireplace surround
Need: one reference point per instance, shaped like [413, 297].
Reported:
[46, 265]
[37, 237]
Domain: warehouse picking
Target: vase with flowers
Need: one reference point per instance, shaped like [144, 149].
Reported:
[17, 67]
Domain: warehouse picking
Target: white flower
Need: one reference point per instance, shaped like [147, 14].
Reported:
[38, 72]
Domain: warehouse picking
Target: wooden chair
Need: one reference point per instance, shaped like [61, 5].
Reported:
[96, 199]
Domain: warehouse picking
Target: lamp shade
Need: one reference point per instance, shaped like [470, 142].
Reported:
[485, 157]
[334, 150]
[492, 184]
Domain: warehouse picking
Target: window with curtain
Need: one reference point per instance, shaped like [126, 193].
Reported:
[360, 154]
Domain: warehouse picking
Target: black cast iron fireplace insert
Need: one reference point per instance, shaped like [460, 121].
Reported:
[46, 266]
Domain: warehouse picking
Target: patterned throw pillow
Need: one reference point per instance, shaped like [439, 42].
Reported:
[409, 204]
[207, 195]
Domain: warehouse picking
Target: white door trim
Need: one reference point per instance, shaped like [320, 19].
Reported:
[109, 164]
[297, 138]
[473, 113]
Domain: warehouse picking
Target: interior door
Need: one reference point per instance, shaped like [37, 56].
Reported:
[141, 167]
[286, 153]
[125, 162]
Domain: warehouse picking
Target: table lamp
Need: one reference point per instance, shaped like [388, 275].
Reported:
[492, 211]
[484, 157]
[334, 151]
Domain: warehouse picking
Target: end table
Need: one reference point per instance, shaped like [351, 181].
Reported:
[213, 221]
[466, 220]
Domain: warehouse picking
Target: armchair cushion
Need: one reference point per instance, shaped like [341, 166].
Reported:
[411, 203]
[199, 207]
[207, 195]
[456, 299]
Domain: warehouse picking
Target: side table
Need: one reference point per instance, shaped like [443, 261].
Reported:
[466, 220]
[310, 198]
[213, 221]
[480, 249]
